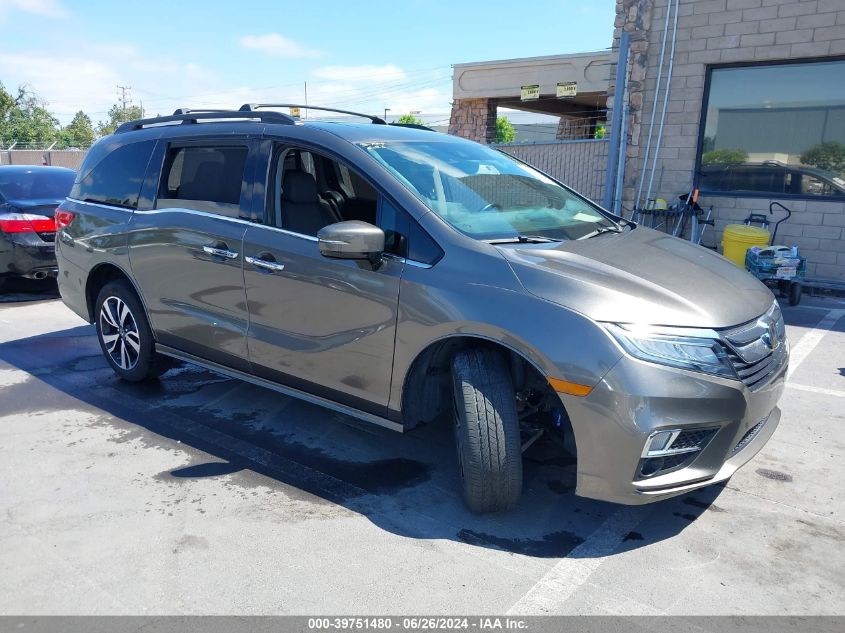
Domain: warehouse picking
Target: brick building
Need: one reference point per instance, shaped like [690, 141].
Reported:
[755, 112]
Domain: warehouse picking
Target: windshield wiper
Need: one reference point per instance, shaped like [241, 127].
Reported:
[524, 239]
[601, 230]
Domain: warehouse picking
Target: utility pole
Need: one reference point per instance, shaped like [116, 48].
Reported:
[386, 110]
[125, 96]
[305, 84]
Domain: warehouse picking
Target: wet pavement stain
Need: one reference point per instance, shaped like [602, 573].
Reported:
[774, 475]
[633, 536]
[554, 545]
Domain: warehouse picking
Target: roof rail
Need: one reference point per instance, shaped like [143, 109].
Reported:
[414, 126]
[179, 111]
[184, 115]
[252, 107]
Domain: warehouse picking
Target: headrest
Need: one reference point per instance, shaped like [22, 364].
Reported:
[299, 187]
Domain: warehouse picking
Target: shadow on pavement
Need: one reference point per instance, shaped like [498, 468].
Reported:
[406, 484]
[20, 290]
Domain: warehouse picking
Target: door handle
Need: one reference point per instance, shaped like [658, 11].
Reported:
[219, 252]
[263, 263]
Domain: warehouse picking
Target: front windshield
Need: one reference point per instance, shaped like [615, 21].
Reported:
[486, 194]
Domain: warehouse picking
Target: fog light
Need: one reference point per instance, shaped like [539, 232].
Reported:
[672, 449]
[659, 441]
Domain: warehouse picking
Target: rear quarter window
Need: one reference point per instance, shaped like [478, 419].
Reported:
[117, 178]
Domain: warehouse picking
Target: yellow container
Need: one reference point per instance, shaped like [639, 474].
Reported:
[738, 238]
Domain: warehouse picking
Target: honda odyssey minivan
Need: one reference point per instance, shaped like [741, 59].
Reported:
[403, 276]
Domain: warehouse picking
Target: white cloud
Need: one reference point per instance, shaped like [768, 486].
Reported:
[277, 46]
[85, 77]
[46, 8]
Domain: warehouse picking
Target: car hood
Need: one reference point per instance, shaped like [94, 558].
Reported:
[640, 276]
[41, 206]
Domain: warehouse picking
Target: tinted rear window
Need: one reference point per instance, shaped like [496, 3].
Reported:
[36, 183]
[116, 180]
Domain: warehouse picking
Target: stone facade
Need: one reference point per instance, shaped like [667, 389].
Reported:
[718, 32]
[474, 119]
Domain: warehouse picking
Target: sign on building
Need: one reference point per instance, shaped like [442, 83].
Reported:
[566, 89]
[529, 93]
[294, 112]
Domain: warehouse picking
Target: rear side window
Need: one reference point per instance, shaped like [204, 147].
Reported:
[116, 180]
[203, 178]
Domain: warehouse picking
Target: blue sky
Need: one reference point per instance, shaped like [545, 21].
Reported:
[364, 55]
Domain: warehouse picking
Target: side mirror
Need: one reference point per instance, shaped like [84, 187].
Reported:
[353, 239]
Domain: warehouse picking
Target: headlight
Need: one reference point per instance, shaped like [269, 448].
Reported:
[685, 348]
[777, 317]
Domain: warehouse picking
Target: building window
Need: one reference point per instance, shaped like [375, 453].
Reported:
[774, 130]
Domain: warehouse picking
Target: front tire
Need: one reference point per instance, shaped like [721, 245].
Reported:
[486, 431]
[125, 335]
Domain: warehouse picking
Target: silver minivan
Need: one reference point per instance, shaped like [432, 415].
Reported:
[403, 277]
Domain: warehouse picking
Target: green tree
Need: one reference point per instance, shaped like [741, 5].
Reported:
[829, 156]
[505, 132]
[724, 157]
[409, 119]
[117, 115]
[78, 133]
[25, 118]
[601, 131]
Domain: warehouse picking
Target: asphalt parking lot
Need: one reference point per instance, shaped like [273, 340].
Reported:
[204, 495]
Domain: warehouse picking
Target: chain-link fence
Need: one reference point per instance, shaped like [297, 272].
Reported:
[580, 164]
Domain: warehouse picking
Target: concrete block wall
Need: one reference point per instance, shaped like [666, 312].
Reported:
[58, 158]
[718, 32]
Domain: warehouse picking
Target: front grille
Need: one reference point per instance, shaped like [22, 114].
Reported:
[757, 350]
[759, 373]
[750, 434]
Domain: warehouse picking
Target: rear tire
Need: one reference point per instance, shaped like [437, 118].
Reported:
[486, 431]
[125, 335]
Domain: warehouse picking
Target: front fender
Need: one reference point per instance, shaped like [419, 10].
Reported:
[491, 305]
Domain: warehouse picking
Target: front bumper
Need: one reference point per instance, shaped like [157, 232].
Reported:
[635, 399]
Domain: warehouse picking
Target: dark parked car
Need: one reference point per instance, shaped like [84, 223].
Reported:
[29, 196]
[404, 276]
[772, 177]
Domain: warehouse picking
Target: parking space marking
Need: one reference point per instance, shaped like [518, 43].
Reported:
[812, 338]
[568, 574]
[821, 390]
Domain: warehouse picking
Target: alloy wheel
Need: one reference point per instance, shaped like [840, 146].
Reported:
[119, 333]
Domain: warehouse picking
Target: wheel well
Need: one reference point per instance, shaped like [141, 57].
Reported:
[97, 278]
[426, 396]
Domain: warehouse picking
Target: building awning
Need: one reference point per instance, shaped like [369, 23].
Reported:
[502, 80]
